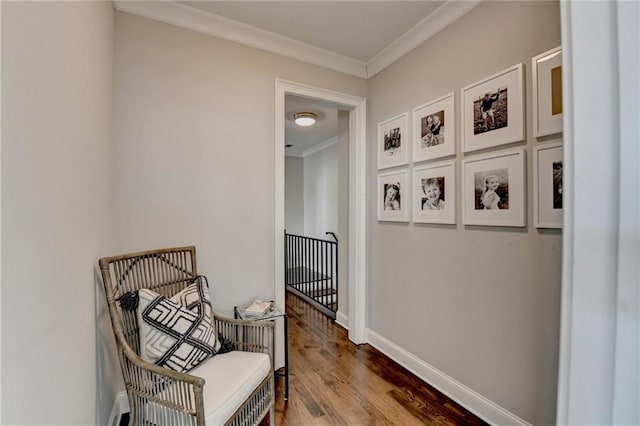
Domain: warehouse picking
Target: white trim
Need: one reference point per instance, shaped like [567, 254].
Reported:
[564, 359]
[358, 224]
[342, 320]
[436, 21]
[181, 15]
[357, 197]
[319, 147]
[599, 343]
[120, 406]
[184, 16]
[468, 398]
[626, 394]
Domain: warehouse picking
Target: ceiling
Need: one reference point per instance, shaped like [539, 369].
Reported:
[359, 38]
[303, 139]
[356, 29]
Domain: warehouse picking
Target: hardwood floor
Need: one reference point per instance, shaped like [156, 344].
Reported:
[334, 382]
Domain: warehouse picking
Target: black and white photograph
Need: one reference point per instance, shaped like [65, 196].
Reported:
[493, 110]
[557, 184]
[490, 111]
[433, 193]
[393, 196]
[434, 129]
[547, 185]
[393, 142]
[494, 189]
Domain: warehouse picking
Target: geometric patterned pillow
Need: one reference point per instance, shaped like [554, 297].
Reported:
[177, 333]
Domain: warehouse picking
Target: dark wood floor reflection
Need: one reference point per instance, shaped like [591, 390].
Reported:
[334, 382]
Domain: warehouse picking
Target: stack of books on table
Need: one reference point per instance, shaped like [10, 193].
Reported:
[257, 309]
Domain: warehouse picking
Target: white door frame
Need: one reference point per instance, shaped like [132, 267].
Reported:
[357, 197]
[599, 369]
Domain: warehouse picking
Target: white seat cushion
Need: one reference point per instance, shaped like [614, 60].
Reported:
[230, 378]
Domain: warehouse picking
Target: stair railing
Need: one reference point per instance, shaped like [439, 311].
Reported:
[311, 270]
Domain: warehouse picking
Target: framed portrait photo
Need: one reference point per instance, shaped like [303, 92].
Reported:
[393, 142]
[434, 129]
[547, 93]
[434, 198]
[494, 189]
[493, 110]
[547, 185]
[393, 196]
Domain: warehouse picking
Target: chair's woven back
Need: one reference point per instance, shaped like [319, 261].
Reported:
[165, 271]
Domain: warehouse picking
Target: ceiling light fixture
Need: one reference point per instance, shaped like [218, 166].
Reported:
[304, 118]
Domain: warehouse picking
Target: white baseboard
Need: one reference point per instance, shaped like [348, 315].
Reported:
[120, 406]
[342, 320]
[468, 398]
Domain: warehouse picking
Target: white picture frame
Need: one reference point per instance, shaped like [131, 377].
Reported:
[434, 129]
[547, 92]
[502, 96]
[494, 189]
[547, 185]
[393, 141]
[434, 193]
[393, 207]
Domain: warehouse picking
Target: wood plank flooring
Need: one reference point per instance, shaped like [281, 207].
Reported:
[334, 382]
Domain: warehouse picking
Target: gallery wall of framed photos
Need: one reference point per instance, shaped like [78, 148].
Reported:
[452, 267]
[493, 178]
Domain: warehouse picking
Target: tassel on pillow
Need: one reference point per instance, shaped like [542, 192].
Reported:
[128, 301]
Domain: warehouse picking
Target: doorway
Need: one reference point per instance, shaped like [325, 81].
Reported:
[356, 106]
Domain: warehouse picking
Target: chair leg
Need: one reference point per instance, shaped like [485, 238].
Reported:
[272, 416]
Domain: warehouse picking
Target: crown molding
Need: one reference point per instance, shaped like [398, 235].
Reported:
[198, 20]
[433, 23]
[319, 147]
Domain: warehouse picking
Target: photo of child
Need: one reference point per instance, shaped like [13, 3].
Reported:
[391, 193]
[433, 190]
[492, 190]
[432, 129]
[557, 184]
[490, 111]
[392, 141]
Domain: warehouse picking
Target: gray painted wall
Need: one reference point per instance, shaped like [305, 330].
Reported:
[57, 212]
[202, 175]
[481, 304]
[294, 195]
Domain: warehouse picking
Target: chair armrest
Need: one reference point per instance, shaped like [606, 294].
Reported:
[247, 335]
[174, 390]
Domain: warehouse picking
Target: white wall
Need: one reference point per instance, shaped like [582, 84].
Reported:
[294, 195]
[191, 170]
[321, 192]
[480, 304]
[56, 208]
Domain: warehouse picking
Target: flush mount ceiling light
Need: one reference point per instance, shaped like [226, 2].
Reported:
[304, 118]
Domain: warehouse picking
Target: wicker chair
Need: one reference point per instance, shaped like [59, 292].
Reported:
[228, 392]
